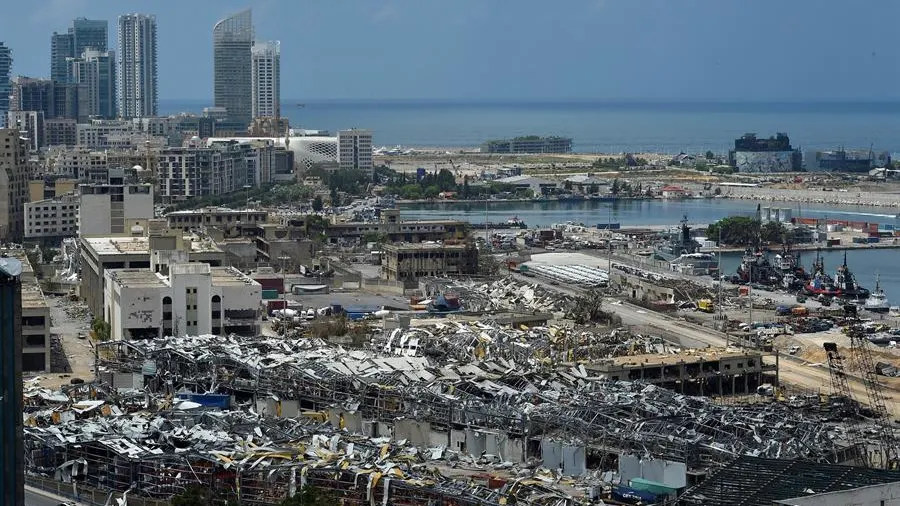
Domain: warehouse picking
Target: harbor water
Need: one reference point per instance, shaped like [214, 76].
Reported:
[865, 263]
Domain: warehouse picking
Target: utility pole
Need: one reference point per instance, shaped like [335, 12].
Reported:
[750, 294]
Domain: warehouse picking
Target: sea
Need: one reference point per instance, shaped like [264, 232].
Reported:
[598, 126]
[865, 263]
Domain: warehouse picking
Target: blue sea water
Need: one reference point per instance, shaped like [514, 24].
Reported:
[599, 126]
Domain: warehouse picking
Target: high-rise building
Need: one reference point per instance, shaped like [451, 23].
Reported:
[266, 79]
[5, 92]
[232, 76]
[54, 99]
[12, 452]
[96, 73]
[83, 34]
[30, 125]
[13, 184]
[137, 77]
[355, 150]
[114, 207]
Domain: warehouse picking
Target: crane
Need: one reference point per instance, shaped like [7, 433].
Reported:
[841, 387]
[859, 346]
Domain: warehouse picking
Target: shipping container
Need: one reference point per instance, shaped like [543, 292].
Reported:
[271, 283]
[269, 294]
[834, 242]
[874, 239]
[860, 240]
[272, 305]
[873, 227]
[609, 226]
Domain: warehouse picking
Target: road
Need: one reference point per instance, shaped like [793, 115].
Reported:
[793, 371]
[35, 497]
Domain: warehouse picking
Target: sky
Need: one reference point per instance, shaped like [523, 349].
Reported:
[759, 50]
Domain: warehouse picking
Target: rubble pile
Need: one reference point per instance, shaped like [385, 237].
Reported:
[501, 295]
[255, 460]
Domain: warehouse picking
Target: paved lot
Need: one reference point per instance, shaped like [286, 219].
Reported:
[68, 320]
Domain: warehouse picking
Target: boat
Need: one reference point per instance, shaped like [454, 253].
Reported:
[570, 197]
[683, 254]
[792, 271]
[843, 285]
[756, 268]
[877, 301]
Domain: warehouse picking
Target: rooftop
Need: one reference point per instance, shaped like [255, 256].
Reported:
[214, 210]
[32, 297]
[136, 278]
[653, 359]
[145, 278]
[137, 245]
[424, 246]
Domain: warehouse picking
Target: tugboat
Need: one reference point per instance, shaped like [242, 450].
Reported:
[755, 267]
[792, 272]
[843, 285]
[683, 254]
[877, 301]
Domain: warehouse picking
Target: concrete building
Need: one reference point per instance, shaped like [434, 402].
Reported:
[62, 47]
[12, 482]
[50, 187]
[60, 132]
[78, 163]
[137, 92]
[101, 253]
[30, 125]
[103, 133]
[95, 74]
[115, 207]
[14, 176]
[232, 67]
[408, 262]
[355, 150]
[529, 144]
[692, 373]
[266, 79]
[181, 299]
[5, 91]
[50, 220]
[35, 318]
[219, 217]
[775, 154]
[841, 160]
[196, 171]
[537, 185]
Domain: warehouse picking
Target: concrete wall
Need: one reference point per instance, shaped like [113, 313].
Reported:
[672, 474]
[875, 495]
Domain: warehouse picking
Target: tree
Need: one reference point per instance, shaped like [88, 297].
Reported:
[735, 230]
[773, 232]
[710, 155]
[335, 199]
[101, 329]
[317, 203]
[616, 186]
[311, 496]
[193, 496]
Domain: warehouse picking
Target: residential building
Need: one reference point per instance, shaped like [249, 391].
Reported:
[35, 316]
[30, 125]
[60, 132]
[585, 184]
[529, 144]
[78, 163]
[355, 150]
[55, 100]
[775, 154]
[408, 262]
[101, 253]
[95, 73]
[841, 160]
[196, 171]
[14, 175]
[103, 133]
[50, 220]
[50, 187]
[137, 69]
[82, 35]
[266, 79]
[232, 66]
[283, 170]
[12, 482]
[5, 91]
[115, 207]
[220, 217]
[181, 299]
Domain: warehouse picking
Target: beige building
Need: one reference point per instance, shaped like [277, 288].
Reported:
[115, 207]
[14, 175]
[52, 219]
[408, 262]
[219, 217]
[35, 318]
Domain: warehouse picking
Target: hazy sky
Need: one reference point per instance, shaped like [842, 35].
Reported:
[517, 49]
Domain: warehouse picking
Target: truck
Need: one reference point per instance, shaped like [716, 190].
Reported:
[705, 305]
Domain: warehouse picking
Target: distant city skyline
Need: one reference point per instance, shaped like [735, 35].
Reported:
[471, 49]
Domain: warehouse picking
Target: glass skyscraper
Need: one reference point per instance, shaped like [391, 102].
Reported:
[232, 67]
[137, 79]
[5, 90]
[84, 34]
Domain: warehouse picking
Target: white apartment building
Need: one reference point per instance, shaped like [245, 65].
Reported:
[195, 171]
[52, 218]
[113, 208]
[78, 163]
[136, 82]
[266, 79]
[97, 133]
[181, 299]
[355, 150]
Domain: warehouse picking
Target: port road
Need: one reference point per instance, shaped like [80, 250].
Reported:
[791, 370]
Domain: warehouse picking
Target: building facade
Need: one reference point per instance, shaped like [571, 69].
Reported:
[12, 452]
[30, 125]
[841, 160]
[5, 89]
[95, 74]
[181, 299]
[102, 133]
[51, 219]
[62, 47]
[266, 79]
[196, 171]
[137, 92]
[529, 144]
[81, 164]
[775, 154]
[232, 66]
[14, 176]
[408, 262]
[84, 34]
[355, 150]
[113, 208]
[60, 132]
